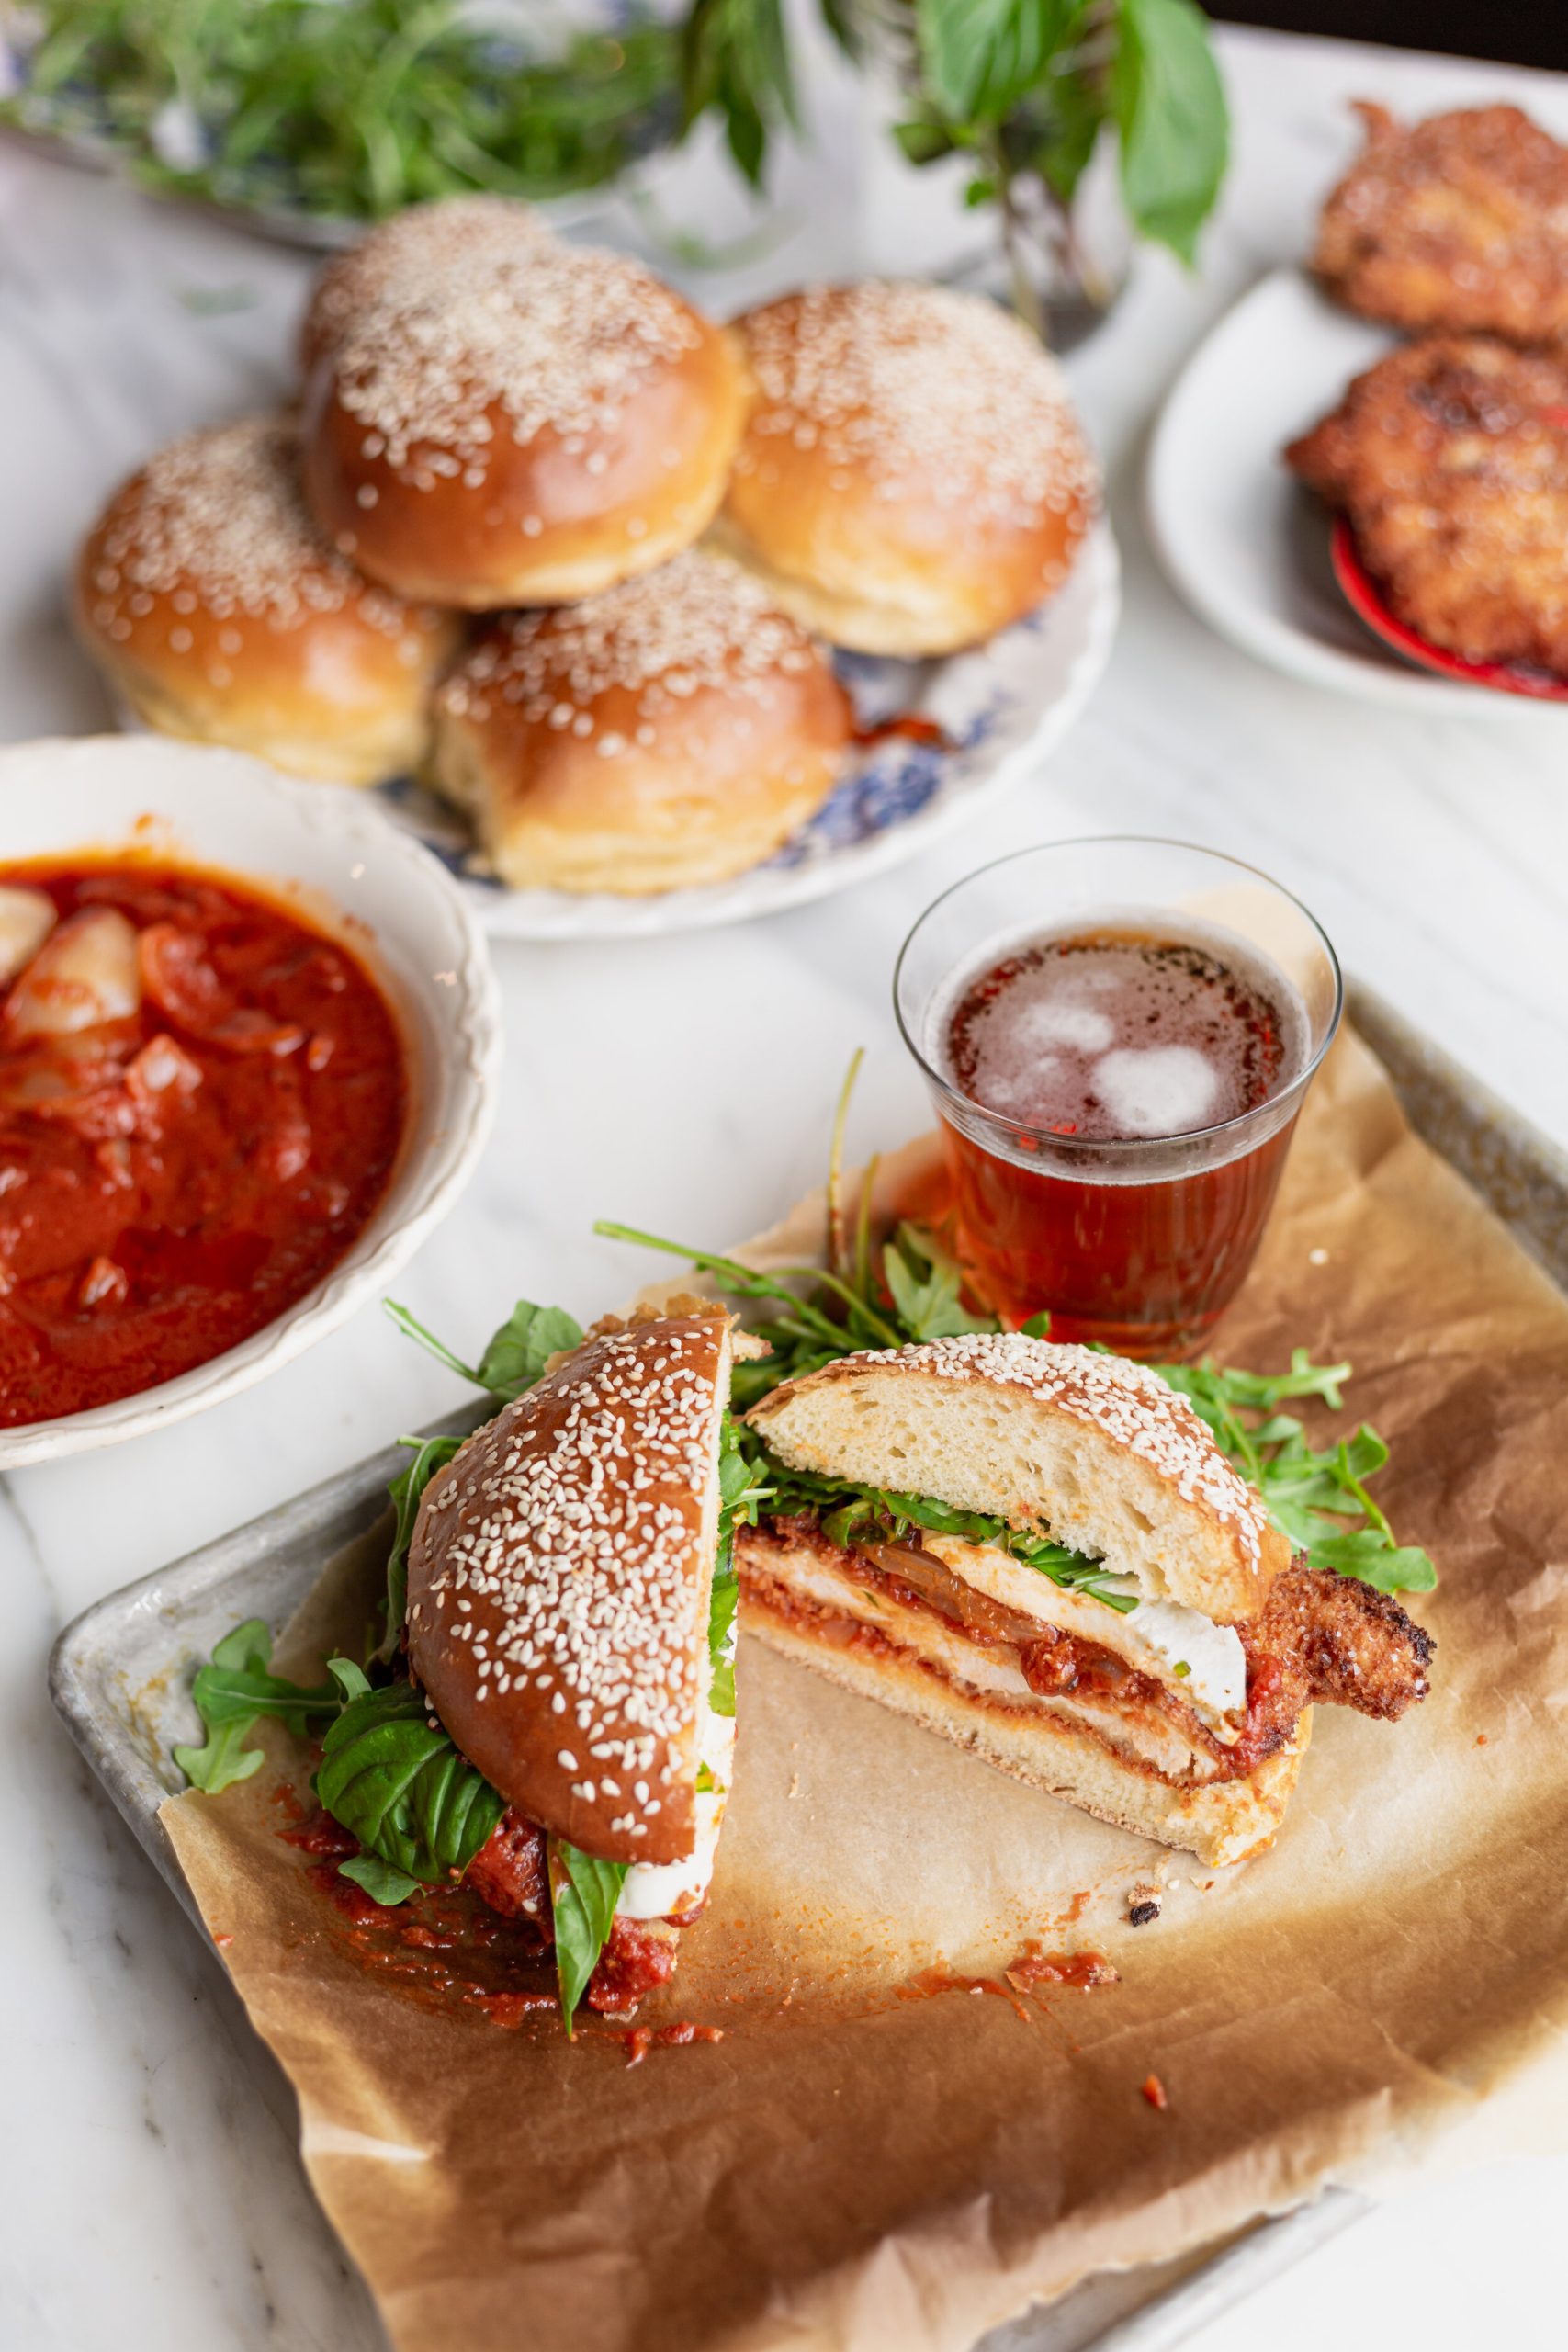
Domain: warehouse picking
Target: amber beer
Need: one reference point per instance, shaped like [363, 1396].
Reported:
[1118, 1091]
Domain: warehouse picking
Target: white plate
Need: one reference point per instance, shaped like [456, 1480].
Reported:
[1243, 541]
[1003, 708]
[348, 871]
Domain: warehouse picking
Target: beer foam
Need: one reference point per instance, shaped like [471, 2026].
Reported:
[1156, 1089]
[1078, 1026]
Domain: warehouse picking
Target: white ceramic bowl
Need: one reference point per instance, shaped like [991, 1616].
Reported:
[333, 855]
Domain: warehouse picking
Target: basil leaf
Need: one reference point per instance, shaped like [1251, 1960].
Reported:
[390, 1774]
[518, 1352]
[1170, 105]
[978, 57]
[407, 1491]
[583, 1895]
[382, 1882]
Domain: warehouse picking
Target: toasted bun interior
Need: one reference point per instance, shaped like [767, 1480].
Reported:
[558, 1583]
[1092, 1450]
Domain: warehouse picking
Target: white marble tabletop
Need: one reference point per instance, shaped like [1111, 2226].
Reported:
[152, 2197]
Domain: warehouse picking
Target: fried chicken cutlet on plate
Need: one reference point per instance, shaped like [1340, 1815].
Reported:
[1460, 222]
[1450, 460]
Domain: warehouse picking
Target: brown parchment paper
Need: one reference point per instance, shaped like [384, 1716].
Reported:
[854, 2166]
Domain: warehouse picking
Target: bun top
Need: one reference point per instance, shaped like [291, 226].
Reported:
[416, 248]
[642, 651]
[915, 391]
[558, 1585]
[1094, 1449]
[216, 522]
[456, 341]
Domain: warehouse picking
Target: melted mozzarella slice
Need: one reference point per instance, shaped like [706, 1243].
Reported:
[659, 1890]
[1157, 1637]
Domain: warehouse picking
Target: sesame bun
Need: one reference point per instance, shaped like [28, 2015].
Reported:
[1040, 1740]
[911, 477]
[488, 426]
[1090, 1449]
[215, 609]
[499, 231]
[672, 731]
[558, 1585]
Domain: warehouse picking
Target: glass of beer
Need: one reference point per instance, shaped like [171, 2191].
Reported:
[1117, 1036]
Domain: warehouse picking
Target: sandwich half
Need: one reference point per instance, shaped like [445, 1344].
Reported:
[1041, 1553]
[571, 1625]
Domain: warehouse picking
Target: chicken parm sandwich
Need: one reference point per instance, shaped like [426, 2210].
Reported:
[1041, 1552]
[550, 1718]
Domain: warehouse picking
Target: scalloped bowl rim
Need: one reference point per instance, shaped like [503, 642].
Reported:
[333, 855]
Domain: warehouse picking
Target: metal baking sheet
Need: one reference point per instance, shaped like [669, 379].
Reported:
[119, 1675]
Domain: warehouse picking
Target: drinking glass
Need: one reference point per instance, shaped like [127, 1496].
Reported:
[1140, 1243]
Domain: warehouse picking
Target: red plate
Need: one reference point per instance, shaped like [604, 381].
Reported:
[1365, 599]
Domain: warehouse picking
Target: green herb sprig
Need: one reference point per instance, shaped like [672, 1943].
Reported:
[344, 109]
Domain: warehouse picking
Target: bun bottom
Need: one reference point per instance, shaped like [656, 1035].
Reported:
[682, 846]
[1225, 1822]
[362, 756]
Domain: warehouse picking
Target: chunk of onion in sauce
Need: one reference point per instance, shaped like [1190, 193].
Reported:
[26, 918]
[85, 975]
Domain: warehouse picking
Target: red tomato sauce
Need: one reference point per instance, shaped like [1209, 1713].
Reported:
[173, 1177]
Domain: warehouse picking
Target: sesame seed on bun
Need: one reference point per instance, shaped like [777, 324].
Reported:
[216, 610]
[669, 732]
[558, 1585]
[494, 420]
[911, 477]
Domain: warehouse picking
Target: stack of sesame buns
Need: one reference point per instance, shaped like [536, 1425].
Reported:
[672, 731]
[912, 477]
[217, 611]
[494, 423]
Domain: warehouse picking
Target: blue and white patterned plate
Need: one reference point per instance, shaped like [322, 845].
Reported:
[1002, 708]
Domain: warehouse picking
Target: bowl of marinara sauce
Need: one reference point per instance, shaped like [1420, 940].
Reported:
[249, 1040]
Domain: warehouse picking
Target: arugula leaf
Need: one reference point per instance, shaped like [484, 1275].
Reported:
[583, 1895]
[740, 1497]
[924, 1282]
[390, 1774]
[1170, 105]
[516, 1354]
[430, 1455]
[229, 1694]
[1317, 1500]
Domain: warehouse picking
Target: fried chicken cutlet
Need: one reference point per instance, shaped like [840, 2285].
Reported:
[1460, 222]
[1450, 458]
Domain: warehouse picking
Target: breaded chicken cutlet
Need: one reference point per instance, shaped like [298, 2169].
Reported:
[1449, 459]
[1458, 223]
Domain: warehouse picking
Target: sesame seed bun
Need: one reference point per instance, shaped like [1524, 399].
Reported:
[669, 732]
[911, 477]
[501, 231]
[487, 427]
[214, 608]
[1091, 1449]
[559, 1584]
